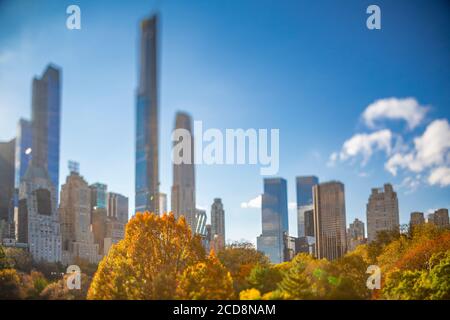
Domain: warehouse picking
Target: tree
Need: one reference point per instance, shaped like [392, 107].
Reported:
[250, 294]
[148, 262]
[265, 278]
[10, 285]
[206, 280]
[19, 259]
[4, 264]
[240, 259]
[59, 291]
[33, 284]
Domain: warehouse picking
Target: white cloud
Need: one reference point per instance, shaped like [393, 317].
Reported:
[364, 144]
[254, 203]
[430, 149]
[407, 109]
[440, 176]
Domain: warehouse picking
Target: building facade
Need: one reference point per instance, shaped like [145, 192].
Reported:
[218, 224]
[382, 211]
[416, 218]
[309, 223]
[329, 220]
[183, 187]
[162, 203]
[117, 207]
[146, 165]
[75, 218]
[355, 234]
[7, 157]
[304, 186]
[200, 218]
[440, 218]
[274, 214]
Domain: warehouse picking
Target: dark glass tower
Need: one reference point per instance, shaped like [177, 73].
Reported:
[304, 200]
[46, 115]
[274, 219]
[146, 169]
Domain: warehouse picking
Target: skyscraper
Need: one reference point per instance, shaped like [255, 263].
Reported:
[23, 150]
[46, 117]
[439, 218]
[146, 166]
[304, 200]
[416, 219]
[218, 224]
[329, 220]
[275, 223]
[117, 207]
[98, 195]
[382, 211]
[355, 234]
[309, 223]
[7, 154]
[162, 203]
[75, 217]
[183, 188]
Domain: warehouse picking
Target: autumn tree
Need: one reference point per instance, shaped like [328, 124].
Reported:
[265, 278]
[10, 285]
[206, 280]
[59, 290]
[148, 262]
[240, 258]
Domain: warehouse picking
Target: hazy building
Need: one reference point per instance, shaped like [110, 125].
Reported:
[183, 187]
[75, 218]
[98, 221]
[355, 234]
[218, 224]
[309, 223]
[46, 119]
[7, 155]
[382, 211]
[416, 218]
[23, 150]
[162, 203]
[200, 218]
[114, 232]
[329, 220]
[274, 214]
[147, 136]
[117, 207]
[439, 218]
[37, 221]
[304, 186]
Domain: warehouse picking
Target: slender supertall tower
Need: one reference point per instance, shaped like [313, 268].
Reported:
[183, 188]
[146, 169]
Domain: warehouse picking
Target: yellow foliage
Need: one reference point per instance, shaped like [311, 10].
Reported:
[250, 294]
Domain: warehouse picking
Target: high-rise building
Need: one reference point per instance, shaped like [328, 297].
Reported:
[46, 118]
[98, 195]
[37, 220]
[114, 232]
[304, 200]
[218, 224]
[146, 166]
[200, 218]
[309, 223]
[162, 203]
[416, 219]
[117, 207]
[329, 220]
[7, 155]
[183, 188]
[23, 150]
[382, 211]
[355, 234]
[440, 218]
[275, 225]
[75, 219]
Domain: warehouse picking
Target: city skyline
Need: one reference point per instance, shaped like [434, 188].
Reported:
[312, 159]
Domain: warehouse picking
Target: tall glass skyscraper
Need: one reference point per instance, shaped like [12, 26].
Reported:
[146, 166]
[274, 219]
[46, 115]
[304, 200]
[23, 150]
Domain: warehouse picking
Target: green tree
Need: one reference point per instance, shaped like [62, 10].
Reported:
[265, 278]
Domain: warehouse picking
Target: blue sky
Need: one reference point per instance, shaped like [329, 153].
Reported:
[309, 68]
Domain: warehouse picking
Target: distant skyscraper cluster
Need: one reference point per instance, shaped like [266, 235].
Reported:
[81, 223]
